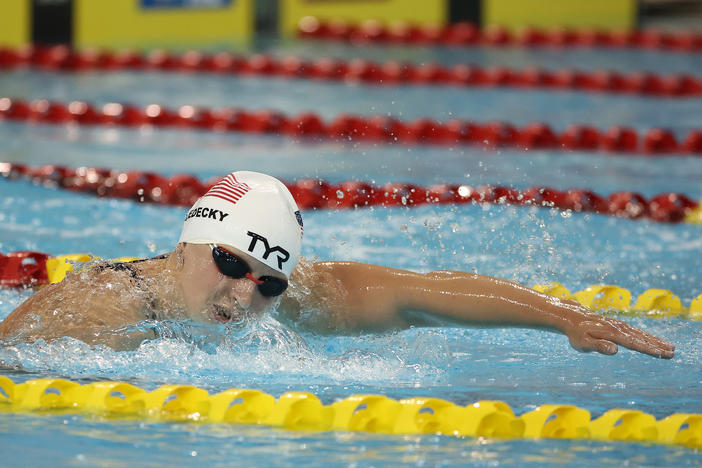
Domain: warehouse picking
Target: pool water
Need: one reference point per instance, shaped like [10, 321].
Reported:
[524, 368]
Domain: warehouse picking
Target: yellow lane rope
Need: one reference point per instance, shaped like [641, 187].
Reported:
[362, 413]
[651, 303]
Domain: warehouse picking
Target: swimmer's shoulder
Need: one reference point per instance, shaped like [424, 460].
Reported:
[308, 273]
[115, 273]
[312, 296]
[85, 289]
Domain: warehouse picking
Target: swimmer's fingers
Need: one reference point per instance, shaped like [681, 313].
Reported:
[637, 340]
[583, 340]
[604, 336]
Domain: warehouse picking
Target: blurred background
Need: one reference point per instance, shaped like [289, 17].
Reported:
[159, 23]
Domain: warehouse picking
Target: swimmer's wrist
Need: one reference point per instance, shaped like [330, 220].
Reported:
[565, 315]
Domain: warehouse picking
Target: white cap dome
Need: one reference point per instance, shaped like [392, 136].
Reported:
[253, 212]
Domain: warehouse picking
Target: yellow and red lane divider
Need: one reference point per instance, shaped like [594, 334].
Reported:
[354, 128]
[184, 190]
[303, 411]
[390, 73]
[465, 34]
[30, 269]
[27, 269]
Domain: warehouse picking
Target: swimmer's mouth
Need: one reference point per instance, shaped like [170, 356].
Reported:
[221, 314]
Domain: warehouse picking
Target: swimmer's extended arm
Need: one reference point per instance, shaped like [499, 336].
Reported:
[378, 297]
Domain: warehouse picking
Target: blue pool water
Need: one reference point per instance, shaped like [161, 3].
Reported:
[524, 368]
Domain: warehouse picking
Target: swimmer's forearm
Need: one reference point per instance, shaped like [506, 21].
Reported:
[483, 300]
[491, 301]
[377, 297]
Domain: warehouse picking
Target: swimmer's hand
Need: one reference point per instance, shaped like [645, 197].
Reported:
[603, 334]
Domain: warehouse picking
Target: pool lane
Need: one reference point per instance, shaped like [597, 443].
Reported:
[622, 60]
[208, 154]
[556, 108]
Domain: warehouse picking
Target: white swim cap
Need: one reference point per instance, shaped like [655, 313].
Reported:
[250, 211]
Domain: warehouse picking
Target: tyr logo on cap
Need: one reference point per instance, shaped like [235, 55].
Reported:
[282, 257]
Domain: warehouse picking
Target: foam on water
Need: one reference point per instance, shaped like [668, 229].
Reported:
[255, 353]
[523, 367]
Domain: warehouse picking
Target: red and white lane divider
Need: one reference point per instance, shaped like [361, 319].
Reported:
[184, 190]
[352, 128]
[356, 71]
[468, 34]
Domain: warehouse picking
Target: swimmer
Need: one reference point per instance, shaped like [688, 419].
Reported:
[238, 258]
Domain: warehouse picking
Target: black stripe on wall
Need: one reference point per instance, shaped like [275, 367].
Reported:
[52, 21]
[266, 14]
[465, 10]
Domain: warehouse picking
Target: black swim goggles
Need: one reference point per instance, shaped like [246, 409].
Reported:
[234, 267]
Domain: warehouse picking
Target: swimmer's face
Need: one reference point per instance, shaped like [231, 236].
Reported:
[210, 296]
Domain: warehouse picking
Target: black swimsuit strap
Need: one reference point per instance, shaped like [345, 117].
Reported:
[122, 266]
[129, 267]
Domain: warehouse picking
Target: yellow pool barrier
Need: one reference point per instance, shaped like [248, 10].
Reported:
[58, 267]
[302, 411]
[655, 303]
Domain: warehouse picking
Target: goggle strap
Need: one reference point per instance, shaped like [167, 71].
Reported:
[254, 279]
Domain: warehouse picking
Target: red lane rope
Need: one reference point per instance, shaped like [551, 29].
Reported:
[363, 71]
[468, 34]
[351, 128]
[23, 269]
[184, 190]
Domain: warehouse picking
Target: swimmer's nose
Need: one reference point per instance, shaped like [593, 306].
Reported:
[243, 291]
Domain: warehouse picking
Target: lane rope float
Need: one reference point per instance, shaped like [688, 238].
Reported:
[304, 411]
[184, 190]
[464, 34]
[653, 303]
[391, 73]
[29, 269]
[349, 128]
